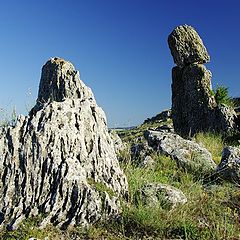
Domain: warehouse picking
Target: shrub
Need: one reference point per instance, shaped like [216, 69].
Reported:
[222, 97]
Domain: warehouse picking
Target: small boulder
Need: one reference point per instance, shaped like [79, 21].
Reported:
[226, 119]
[139, 152]
[158, 194]
[188, 154]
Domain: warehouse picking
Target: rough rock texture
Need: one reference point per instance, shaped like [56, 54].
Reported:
[192, 102]
[59, 161]
[188, 154]
[141, 154]
[157, 194]
[187, 47]
[229, 167]
[194, 108]
[226, 119]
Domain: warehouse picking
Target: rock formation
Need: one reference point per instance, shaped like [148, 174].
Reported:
[194, 108]
[59, 161]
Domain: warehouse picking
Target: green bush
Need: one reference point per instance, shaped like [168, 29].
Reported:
[222, 97]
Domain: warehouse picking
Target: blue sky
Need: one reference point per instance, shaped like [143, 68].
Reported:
[120, 48]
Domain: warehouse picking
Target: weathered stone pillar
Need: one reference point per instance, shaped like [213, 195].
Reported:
[194, 108]
[59, 161]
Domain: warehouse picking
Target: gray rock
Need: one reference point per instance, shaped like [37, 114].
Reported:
[225, 119]
[187, 47]
[139, 152]
[59, 161]
[229, 167]
[188, 154]
[60, 80]
[161, 195]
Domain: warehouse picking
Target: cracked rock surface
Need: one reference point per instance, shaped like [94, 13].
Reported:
[59, 161]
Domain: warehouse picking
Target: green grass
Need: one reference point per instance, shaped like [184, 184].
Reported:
[222, 97]
[206, 215]
[210, 213]
[213, 143]
[30, 228]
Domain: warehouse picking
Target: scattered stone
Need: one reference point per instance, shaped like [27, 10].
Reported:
[59, 161]
[161, 195]
[140, 153]
[188, 154]
[229, 167]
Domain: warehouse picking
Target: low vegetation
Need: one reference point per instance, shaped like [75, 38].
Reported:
[212, 210]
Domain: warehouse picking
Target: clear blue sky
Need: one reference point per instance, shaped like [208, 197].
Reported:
[119, 46]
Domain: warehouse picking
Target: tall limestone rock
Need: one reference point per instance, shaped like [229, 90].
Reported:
[59, 161]
[194, 109]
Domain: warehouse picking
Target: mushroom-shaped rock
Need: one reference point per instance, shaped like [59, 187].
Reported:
[194, 108]
[59, 161]
[187, 47]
